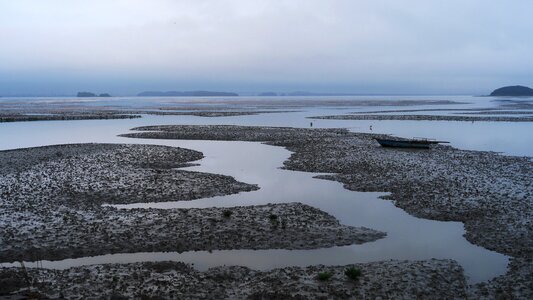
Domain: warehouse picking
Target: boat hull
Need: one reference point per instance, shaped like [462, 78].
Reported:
[404, 144]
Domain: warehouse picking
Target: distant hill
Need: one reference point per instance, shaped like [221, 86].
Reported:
[267, 94]
[304, 93]
[86, 94]
[186, 94]
[516, 90]
[89, 94]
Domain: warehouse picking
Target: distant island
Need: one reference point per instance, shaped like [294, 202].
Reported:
[186, 94]
[89, 94]
[516, 90]
[267, 94]
[304, 93]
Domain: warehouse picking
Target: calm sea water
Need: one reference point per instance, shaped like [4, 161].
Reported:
[408, 237]
[511, 138]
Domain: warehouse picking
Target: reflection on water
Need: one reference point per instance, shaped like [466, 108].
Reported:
[407, 237]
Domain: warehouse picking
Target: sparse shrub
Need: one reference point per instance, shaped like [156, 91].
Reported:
[353, 273]
[324, 276]
[227, 213]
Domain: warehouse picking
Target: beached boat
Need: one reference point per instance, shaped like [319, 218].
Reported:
[408, 143]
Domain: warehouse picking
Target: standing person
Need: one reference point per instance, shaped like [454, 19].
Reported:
[311, 124]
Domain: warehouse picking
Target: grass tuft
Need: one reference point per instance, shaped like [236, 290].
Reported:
[227, 213]
[324, 276]
[353, 273]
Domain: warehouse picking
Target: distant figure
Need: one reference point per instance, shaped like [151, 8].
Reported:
[370, 127]
[311, 124]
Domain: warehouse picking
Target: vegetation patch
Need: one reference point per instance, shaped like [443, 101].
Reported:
[324, 276]
[353, 273]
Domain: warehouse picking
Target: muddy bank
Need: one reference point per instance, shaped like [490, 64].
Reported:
[60, 111]
[89, 175]
[516, 104]
[107, 114]
[15, 117]
[516, 284]
[488, 192]
[427, 118]
[52, 206]
[273, 135]
[435, 279]
[211, 113]
[491, 194]
[301, 102]
[465, 111]
[72, 234]
[500, 112]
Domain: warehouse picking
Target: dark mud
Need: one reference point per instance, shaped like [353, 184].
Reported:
[52, 209]
[211, 113]
[432, 279]
[15, 117]
[490, 193]
[427, 118]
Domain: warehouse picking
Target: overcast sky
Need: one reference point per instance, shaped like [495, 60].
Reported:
[378, 46]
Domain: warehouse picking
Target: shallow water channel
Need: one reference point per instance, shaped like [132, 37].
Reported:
[407, 237]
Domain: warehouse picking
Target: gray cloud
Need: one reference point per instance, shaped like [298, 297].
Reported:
[360, 46]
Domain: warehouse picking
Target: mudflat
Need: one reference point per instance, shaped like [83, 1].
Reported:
[431, 279]
[471, 118]
[488, 192]
[53, 206]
